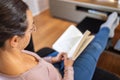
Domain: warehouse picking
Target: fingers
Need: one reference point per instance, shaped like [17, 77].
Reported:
[63, 55]
[68, 62]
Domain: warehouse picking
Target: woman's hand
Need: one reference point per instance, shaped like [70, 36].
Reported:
[67, 61]
[58, 58]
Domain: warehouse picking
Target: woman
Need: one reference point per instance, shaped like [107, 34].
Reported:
[16, 26]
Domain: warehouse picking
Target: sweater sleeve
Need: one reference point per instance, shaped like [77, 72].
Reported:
[48, 59]
[68, 73]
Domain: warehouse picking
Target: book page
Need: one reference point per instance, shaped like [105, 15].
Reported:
[68, 40]
[80, 43]
[83, 46]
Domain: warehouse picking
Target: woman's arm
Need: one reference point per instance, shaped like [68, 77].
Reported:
[54, 59]
[68, 68]
[68, 73]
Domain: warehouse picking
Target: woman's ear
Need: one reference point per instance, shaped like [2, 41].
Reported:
[14, 41]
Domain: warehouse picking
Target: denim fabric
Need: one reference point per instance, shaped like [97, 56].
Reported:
[85, 64]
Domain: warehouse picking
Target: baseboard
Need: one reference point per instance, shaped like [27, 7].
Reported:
[35, 14]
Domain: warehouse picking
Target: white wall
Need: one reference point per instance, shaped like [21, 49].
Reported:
[37, 6]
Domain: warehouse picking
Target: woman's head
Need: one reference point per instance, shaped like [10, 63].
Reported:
[13, 19]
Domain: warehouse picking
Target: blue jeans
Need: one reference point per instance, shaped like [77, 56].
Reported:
[85, 64]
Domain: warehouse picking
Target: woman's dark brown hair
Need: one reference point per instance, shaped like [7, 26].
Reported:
[12, 19]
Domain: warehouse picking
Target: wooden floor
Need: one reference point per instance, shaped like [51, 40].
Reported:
[49, 29]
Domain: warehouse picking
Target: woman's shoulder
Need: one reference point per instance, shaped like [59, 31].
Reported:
[25, 72]
[31, 53]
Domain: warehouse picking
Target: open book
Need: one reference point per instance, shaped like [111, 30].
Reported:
[73, 42]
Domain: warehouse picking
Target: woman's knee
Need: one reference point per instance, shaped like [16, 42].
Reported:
[96, 46]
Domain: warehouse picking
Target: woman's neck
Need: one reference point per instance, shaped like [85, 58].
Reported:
[17, 62]
[10, 54]
[12, 59]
